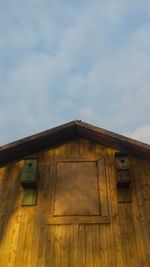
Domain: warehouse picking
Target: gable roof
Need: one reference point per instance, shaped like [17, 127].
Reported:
[69, 131]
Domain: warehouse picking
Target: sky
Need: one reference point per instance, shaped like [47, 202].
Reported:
[66, 60]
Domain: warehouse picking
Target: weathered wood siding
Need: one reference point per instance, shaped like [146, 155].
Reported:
[26, 240]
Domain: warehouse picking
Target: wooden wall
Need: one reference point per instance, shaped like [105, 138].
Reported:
[26, 240]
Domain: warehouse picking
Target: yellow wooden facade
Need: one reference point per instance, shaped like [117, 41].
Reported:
[28, 238]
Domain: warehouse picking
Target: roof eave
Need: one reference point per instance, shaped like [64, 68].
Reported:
[69, 131]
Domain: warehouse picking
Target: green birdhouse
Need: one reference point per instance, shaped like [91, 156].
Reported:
[29, 174]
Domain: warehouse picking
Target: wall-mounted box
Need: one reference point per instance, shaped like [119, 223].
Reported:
[29, 173]
[29, 197]
[122, 161]
[123, 177]
[123, 169]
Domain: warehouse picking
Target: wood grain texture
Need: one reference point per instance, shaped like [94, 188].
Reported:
[122, 240]
[82, 242]
[114, 209]
[76, 189]
[77, 219]
[141, 171]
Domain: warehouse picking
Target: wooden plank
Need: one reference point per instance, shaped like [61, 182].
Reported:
[103, 187]
[27, 253]
[3, 219]
[45, 156]
[82, 158]
[51, 193]
[8, 246]
[22, 239]
[59, 152]
[137, 166]
[9, 192]
[110, 246]
[128, 235]
[76, 245]
[82, 240]
[72, 149]
[40, 233]
[66, 253]
[49, 251]
[43, 206]
[103, 245]
[65, 246]
[83, 147]
[73, 251]
[77, 220]
[34, 247]
[44, 189]
[107, 252]
[100, 151]
[88, 246]
[109, 228]
[58, 246]
[96, 245]
[146, 190]
[44, 232]
[118, 253]
[4, 260]
[138, 233]
[87, 149]
[2, 239]
[124, 233]
[14, 235]
[42, 246]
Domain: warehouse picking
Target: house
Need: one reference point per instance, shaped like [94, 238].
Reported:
[75, 196]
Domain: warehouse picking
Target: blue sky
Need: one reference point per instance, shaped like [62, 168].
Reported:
[65, 60]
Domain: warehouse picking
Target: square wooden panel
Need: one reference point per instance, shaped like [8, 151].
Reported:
[80, 193]
[76, 189]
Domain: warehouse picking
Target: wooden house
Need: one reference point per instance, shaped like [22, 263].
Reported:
[75, 196]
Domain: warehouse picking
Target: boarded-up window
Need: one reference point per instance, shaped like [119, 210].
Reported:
[80, 193]
[76, 188]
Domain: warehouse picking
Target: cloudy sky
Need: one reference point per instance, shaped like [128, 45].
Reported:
[64, 60]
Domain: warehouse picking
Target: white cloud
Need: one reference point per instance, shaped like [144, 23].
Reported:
[65, 61]
[142, 134]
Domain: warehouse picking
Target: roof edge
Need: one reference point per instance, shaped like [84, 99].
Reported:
[37, 135]
[116, 136]
[68, 131]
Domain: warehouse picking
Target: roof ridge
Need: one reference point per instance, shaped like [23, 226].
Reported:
[68, 131]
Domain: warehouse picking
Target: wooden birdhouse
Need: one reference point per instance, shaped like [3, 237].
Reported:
[123, 175]
[123, 169]
[29, 173]
[29, 179]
